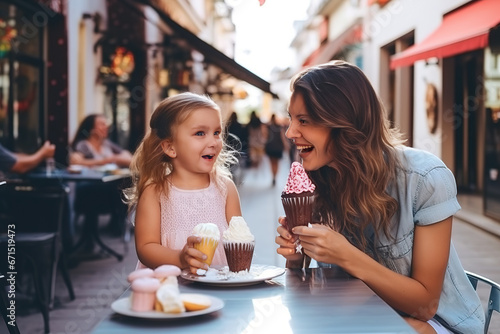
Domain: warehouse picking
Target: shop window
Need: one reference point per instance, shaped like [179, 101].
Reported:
[21, 116]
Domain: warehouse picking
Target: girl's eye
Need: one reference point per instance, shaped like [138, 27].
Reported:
[216, 133]
[199, 133]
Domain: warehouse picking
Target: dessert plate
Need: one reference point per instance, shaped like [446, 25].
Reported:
[122, 306]
[220, 275]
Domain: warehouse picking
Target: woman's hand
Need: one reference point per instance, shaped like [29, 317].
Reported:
[323, 244]
[287, 246]
[191, 257]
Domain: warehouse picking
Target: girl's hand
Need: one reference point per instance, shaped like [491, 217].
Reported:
[286, 242]
[191, 257]
[323, 244]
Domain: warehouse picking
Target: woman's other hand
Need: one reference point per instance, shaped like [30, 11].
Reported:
[287, 246]
[323, 244]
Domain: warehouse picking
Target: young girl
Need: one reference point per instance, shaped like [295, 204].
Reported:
[385, 210]
[181, 179]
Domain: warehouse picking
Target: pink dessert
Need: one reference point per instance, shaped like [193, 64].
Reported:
[144, 293]
[139, 273]
[166, 270]
[298, 182]
[298, 197]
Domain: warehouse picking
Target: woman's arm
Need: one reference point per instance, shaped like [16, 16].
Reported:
[77, 158]
[417, 295]
[26, 162]
[287, 246]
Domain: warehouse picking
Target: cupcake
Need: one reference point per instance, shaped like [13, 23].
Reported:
[144, 293]
[239, 244]
[210, 237]
[166, 271]
[139, 273]
[298, 197]
[168, 297]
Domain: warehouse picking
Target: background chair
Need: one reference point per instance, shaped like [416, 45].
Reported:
[5, 304]
[494, 297]
[34, 214]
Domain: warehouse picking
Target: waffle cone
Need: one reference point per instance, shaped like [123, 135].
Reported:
[207, 246]
[298, 209]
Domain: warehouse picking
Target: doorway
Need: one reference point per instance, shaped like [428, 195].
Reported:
[468, 105]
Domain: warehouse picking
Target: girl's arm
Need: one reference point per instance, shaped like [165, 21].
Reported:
[233, 205]
[148, 245]
[417, 295]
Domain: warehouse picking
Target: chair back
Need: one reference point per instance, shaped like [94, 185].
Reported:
[493, 299]
[32, 208]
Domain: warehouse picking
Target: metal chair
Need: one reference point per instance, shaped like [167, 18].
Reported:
[34, 215]
[10, 322]
[494, 297]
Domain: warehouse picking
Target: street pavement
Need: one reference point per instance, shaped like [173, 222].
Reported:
[98, 283]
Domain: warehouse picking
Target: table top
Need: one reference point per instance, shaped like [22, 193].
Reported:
[83, 175]
[316, 300]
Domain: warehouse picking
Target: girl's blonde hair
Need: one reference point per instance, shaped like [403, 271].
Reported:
[352, 195]
[150, 165]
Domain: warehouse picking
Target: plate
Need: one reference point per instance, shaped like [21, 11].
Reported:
[220, 275]
[122, 306]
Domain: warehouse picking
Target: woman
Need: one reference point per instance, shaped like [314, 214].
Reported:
[91, 146]
[384, 210]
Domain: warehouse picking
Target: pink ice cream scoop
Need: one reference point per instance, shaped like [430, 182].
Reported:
[298, 182]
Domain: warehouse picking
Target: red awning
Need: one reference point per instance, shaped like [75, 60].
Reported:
[327, 50]
[463, 30]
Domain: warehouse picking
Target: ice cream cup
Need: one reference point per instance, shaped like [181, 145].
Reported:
[207, 246]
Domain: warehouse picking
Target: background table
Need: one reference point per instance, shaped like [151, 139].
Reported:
[90, 232]
[300, 301]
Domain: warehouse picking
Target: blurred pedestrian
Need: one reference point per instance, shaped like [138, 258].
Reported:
[237, 140]
[275, 144]
[256, 139]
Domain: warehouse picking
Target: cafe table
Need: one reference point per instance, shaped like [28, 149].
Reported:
[308, 301]
[90, 231]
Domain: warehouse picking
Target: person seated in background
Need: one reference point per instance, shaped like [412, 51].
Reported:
[91, 148]
[20, 163]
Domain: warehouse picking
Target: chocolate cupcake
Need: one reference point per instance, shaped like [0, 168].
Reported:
[239, 244]
[298, 197]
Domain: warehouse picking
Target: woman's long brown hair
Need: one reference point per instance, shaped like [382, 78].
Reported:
[351, 191]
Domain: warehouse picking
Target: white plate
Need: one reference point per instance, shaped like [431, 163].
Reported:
[122, 306]
[218, 275]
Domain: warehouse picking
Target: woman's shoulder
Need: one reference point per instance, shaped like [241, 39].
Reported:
[419, 161]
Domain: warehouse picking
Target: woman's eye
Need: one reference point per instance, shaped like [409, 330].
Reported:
[302, 121]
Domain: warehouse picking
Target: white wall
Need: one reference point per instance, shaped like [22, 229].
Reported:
[91, 92]
[384, 26]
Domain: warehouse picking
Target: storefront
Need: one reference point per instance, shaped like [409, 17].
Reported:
[465, 49]
[33, 74]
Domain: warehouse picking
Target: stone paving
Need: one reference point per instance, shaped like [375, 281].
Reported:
[98, 283]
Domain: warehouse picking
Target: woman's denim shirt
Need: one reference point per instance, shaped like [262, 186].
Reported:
[426, 192]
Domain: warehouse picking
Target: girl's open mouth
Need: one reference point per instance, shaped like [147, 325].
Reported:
[208, 157]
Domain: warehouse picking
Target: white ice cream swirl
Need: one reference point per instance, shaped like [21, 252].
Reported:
[207, 230]
[238, 231]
